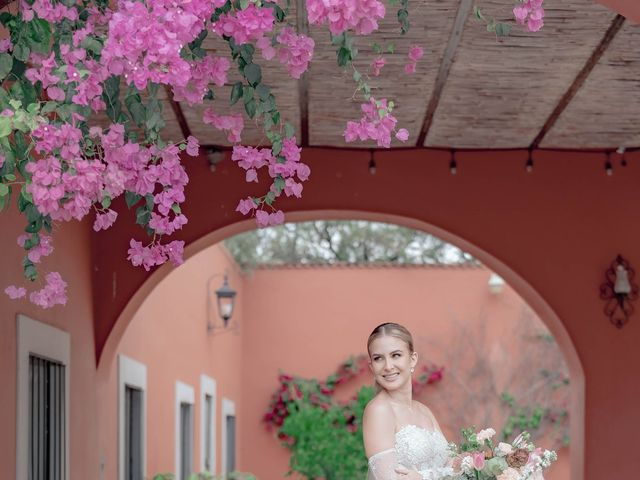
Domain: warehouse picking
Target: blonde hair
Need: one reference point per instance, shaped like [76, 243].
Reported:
[392, 330]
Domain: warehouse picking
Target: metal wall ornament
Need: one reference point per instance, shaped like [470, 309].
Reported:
[619, 291]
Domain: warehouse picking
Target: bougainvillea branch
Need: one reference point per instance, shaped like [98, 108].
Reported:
[81, 122]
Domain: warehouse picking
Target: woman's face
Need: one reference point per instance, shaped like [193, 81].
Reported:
[391, 362]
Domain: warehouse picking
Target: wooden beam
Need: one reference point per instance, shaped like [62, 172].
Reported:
[577, 83]
[445, 66]
[177, 109]
[303, 83]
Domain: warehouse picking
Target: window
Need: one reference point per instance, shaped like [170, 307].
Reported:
[132, 418]
[184, 430]
[228, 436]
[46, 419]
[207, 424]
[42, 441]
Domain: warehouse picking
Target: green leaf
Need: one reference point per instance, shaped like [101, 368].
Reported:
[289, 131]
[4, 189]
[276, 148]
[176, 209]
[250, 108]
[279, 183]
[263, 92]
[357, 76]
[236, 92]
[142, 216]
[6, 64]
[21, 52]
[491, 26]
[5, 126]
[269, 197]
[376, 48]
[136, 108]
[131, 198]
[92, 44]
[344, 56]
[503, 29]
[10, 177]
[253, 74]
[478, 13]
[247, 94]
[106, 201]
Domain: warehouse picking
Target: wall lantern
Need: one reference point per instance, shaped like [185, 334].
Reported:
[618, 291]
[496, 284]
[225, 301]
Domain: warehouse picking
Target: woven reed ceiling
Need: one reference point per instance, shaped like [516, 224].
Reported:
[575, 84]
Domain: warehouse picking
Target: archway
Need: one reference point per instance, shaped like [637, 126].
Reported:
[539, 305]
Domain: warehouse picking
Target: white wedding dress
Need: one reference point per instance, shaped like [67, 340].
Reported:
[416, 448]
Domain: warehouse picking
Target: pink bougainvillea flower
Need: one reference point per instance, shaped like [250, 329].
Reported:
[359, 15]
[296, 51]
[53, 293]
[15, 292]
[104, 220]
[232, 124]
[402, 134]
[531, 13]
[415, 53]
[376, 66]
[192, 146]
[246, 205]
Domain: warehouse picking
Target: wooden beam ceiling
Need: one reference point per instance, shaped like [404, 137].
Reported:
[577, 83]
[445, 67]
[303, 83]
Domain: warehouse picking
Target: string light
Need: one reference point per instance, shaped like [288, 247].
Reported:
[623, 160]
[453, 166]
[608, 166]
[372, 164]
[529, 165]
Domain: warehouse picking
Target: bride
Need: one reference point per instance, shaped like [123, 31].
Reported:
[402, 438]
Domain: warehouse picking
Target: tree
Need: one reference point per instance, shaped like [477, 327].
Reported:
[353, 242]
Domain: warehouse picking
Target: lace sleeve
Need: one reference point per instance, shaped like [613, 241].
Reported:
[382, 466]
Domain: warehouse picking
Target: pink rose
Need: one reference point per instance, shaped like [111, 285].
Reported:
[478, 461]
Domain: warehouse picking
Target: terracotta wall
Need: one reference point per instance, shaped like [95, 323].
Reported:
[305, 321]
[169, 335]
[71, 258]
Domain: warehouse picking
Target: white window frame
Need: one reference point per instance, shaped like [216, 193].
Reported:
[51, 343]
[207, 387]
[131, 373]
[228, 408]
[184, 394]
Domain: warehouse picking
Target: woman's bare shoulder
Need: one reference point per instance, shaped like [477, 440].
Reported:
[378, 425]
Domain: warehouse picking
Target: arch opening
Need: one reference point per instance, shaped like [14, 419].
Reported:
[519, 284]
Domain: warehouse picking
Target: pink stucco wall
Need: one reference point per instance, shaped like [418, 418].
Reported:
[71, 258]
[169, 335]
[305, 321]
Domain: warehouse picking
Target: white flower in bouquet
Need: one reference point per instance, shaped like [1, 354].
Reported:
[509, 474]
[467, 464]
[485, 434]
[503, 449]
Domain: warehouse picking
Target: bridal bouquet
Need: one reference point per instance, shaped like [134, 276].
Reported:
[477, 458]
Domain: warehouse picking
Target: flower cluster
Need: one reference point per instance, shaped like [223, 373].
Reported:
[209, 69]
[296, 51]
[145, 40]
[284, 167]
[376, 123]
[359, 15]
[231, 124]
[245, 25]
[531, 13]
[415, 54]
[477, 457]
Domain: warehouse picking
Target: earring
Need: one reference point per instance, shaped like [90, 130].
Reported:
[412, 369]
